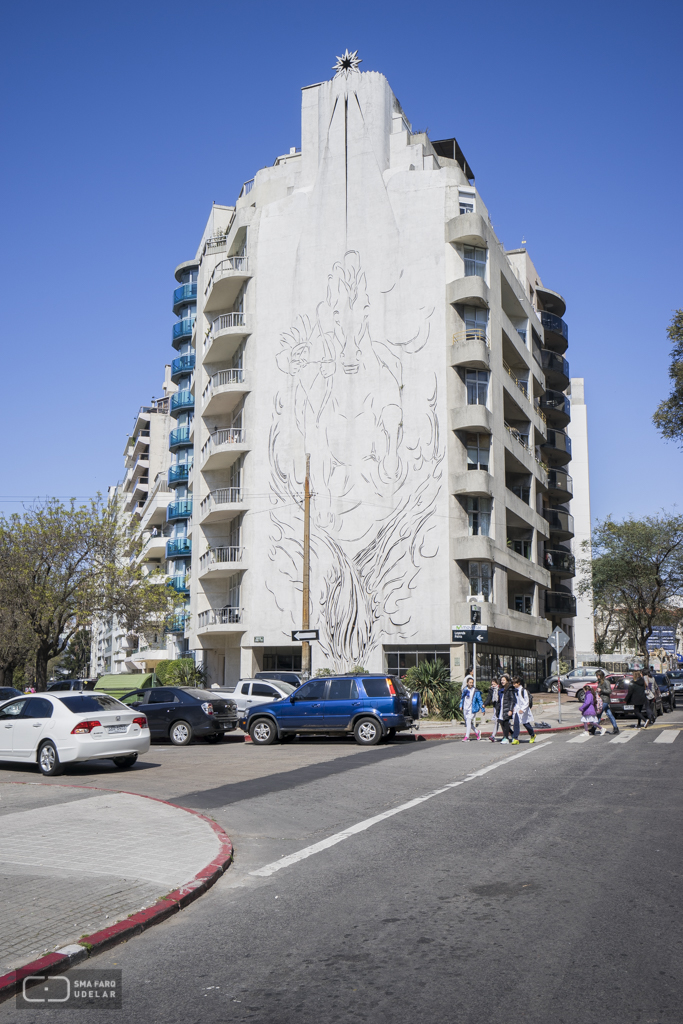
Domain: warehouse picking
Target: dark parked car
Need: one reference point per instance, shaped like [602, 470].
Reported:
[620, 685]
[666, 688]
[284, 677]
[368, 707]
[676, 678]
[68, 684]
[7, 692]
[181, 713]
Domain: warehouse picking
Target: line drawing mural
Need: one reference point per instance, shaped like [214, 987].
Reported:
[376, 465]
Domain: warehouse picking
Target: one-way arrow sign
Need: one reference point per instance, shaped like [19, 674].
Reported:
[305, 634]
[469, 634]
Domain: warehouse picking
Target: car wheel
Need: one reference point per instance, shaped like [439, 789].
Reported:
[553, 688]
[367, 732]
[263, 732]
[580, 695]
[48, 759]
[180, 734]
[391, 733]
[126, 762]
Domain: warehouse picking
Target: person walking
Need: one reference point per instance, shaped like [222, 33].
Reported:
[605, 691]
[636, 696]
[522, 713]
[589, 713]
[470, 705]
[506, 704]
[650, 696]
[492, 701]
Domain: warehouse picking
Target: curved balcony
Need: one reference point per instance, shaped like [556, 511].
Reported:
[222, 561]
[555, 331]
[476, 418]
[552, 301]
[182, 401]
[177, 623]
[557, 448]
[561, 603]
[186, 293]
[556, 407]
[559, 562]
[560, 485]
[179, 547]
[223, 448]
[476, 483]
[179, 473]
[182, 330]
[179, 438]
[180, 583]
[471, 349]
[561, 523]
[179, 510]
[220, 620]
[181, 366]
[556, 370]
[467, 229]
[223, 340]
[224, 392]
[222, 505]
[225, 282]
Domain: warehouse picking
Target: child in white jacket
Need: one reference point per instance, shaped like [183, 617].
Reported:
[522, 714]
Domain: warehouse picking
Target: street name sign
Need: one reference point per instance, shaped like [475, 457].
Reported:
[305, 634]
[558, 639]
[469, 634]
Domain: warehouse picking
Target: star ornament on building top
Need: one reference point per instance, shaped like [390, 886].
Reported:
[346, 63]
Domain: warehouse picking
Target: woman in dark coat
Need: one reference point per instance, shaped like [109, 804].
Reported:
[506, 705]
[636, 696]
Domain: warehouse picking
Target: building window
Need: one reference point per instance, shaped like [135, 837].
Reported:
[466, 202]
[475, 261]
[234, 591]
[521, 547]
[476, 321]
[523, 603]
[478, 447]
[477, 386]
[479, 514]
[398, 662]
[480, 580]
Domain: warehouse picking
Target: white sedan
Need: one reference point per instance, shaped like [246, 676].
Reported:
[54, 729]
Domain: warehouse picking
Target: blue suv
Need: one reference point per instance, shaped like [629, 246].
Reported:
[370, 707]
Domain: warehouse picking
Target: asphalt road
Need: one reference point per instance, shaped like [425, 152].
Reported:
[546, 889]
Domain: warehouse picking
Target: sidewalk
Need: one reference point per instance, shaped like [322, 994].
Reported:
[74, 861]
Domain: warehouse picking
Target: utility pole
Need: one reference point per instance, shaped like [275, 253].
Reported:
[305, 621]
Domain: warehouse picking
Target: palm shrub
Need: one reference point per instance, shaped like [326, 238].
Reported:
[438, 693]
[184, 672]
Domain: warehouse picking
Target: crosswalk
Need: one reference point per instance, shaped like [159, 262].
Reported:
[663, 736]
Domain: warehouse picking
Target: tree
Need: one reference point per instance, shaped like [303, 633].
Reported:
[669, 415]
[76, 659]
[637, 573]
[185, 672]
[61, 566]
[608, 624]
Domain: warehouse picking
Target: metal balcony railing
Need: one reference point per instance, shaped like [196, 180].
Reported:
[179, 473]
[179, 436]
[554, 323]
[179, 510]
[222, 439]
[221, 496]
[178, 547]
[521, 383]
[246, 188]
[182, 401]
[183, 328]
[220, 616]
[223, 378]
[186, 293]
[227, 266]
[219, 556]
[471, 334]
[181, 365]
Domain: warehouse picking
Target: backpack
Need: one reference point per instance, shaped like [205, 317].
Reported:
[649, 693]
[598, 703]
[531, 699]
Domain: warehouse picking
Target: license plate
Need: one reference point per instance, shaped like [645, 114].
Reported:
[628, 707]
[116, 728]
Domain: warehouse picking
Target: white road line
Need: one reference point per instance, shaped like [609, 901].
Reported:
[625, 737]
[581, 738]
[667, 737]
[361, 826]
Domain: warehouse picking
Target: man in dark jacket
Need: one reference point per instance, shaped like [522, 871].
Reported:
[636, 696]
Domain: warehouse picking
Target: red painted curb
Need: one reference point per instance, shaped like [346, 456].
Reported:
[55, 963]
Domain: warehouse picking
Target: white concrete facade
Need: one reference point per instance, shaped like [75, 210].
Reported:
[355, 305]
[581, 509]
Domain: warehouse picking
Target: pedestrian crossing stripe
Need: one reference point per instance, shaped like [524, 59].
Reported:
[625, 737]
[580, 739]
[667, 737]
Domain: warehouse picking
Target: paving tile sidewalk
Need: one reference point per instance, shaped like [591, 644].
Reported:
[74, 861]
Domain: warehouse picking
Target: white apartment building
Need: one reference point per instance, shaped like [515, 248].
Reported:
[356, 305]
[143, 497]
[581, 509]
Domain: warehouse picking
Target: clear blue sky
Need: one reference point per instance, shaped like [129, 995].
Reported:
[123, 122]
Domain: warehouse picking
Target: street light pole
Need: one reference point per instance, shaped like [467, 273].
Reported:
[559, 682]
[305, 621]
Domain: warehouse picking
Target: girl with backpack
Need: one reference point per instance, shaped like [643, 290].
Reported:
[589, 713]
[522, 714]
[470, 704]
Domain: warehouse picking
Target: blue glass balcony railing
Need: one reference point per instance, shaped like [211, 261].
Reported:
[180, 583]
[179, 510]
[186, 293]
[179, 473]
[181, 366]
[182, 330]
[178, 547]
[177, 623]
[182, 401]
[179, 438]
[554, 323]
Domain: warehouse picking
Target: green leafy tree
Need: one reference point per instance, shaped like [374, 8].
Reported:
[76, 658]
[17, 643]
[62, 566]
[636, 575]
[185, 672]
[669, 415]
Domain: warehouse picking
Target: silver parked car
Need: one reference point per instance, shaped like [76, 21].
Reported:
[574, 681]
[248, 693]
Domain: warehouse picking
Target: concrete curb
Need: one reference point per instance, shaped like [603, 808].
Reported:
[135, 924]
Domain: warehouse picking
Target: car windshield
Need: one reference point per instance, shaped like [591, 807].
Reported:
[286, 688]
[79, 703]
